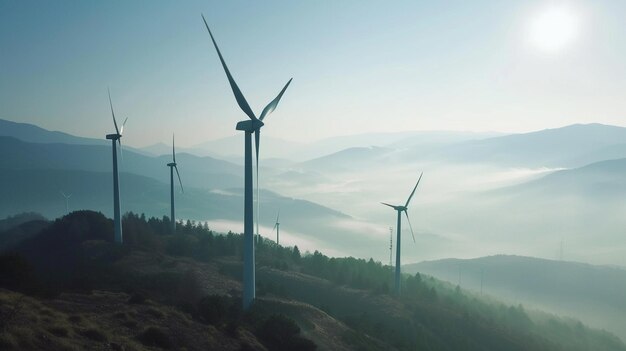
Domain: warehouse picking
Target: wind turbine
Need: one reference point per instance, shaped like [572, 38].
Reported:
[172, 165]
[252, 125]
[117, 217]
[67, 201]
[277, 227]
[400, 209]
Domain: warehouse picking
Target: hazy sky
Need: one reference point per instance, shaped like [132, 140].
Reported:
[358, 66]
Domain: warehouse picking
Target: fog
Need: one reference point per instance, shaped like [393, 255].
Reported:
[461, 209]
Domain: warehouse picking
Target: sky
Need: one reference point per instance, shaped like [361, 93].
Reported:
[357, 66]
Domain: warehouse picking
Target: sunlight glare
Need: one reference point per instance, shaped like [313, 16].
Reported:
[554, 28]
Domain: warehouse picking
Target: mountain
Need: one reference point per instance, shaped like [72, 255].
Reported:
[348, 160]
[205, 172]
[298, 151]
[570, 146]
[158, 149]
[604, 179]
[11, 222]
[38, 190]
[594, 294]
[34, 173]
[304, 222]
[232, 147]
[16, 229]
[34, 134]
[439, 138]
[392, 140]
[566, 147]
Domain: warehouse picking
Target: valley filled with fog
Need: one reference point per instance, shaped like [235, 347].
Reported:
[481, 194]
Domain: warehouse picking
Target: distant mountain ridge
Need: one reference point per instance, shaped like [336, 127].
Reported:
[348, 159]
[594, 294]
[34, 134]
[302, 151]
[606, 179]
[205, 172]
[569, 146]
[39, 190]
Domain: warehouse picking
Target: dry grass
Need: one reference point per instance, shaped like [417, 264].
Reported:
[105, 321]
[316, 325]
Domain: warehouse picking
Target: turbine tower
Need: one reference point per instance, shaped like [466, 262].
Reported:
[390, 245]
[252, 125]
[117, 217]
[67, 201]
[172, 165]
[400, 209]
[277, 227]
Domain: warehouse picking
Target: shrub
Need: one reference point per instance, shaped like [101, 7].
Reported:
[59, 331]
[282, 333]
[213, 309]
[15, 273]
[153, 336]
[93, 334]
[75, 318]
[137, 298]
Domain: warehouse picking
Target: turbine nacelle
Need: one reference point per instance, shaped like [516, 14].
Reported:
[171, 164]
[114, 136]
[395, 207]
[250, 125]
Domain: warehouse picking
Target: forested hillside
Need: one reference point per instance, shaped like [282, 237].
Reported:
[156, 286]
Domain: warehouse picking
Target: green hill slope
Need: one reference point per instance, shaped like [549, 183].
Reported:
[193, 278]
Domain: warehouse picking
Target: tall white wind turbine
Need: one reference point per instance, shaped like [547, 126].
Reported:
[252, 125]
[172, 165]
[116, 140]
[400, 209]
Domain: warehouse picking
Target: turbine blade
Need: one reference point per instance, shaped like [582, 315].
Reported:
[278, 216]
[123, 124]
[272, 105]
[119, 142]
[241, 100]
[275, 225]
[182, 190]
[173, 150]
[392, 206]
[113, 113]
[413, 192]
[410, 226]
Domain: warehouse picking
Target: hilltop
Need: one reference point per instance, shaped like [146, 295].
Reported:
[183, 291]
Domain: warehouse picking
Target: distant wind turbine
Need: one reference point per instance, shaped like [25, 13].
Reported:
[277, 227]
[117, 217]
[67, 201]
[400, 209]
[252, 125]
[172, 165]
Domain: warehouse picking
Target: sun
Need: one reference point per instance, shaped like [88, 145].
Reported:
[553, 28]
